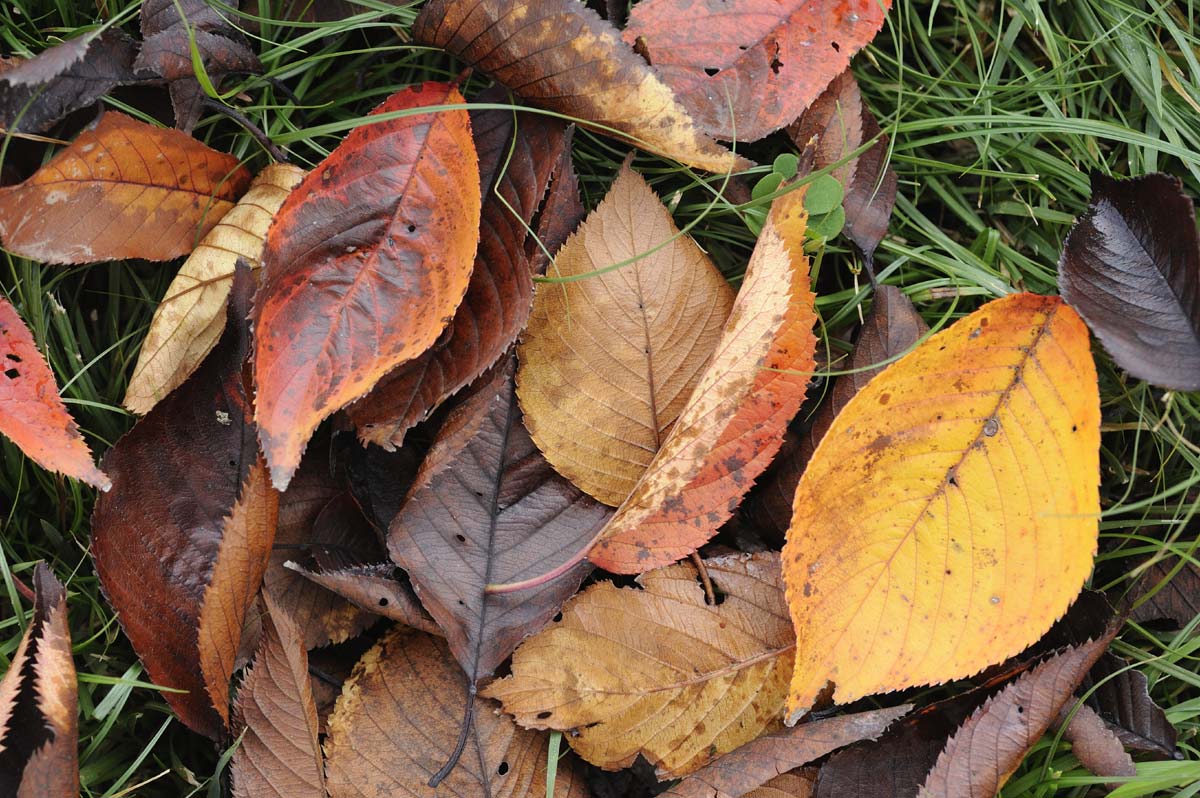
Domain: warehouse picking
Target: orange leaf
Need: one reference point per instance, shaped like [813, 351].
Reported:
[31, 412]
[733, 424]
[957, 484]
[365, 264]
[123, 189]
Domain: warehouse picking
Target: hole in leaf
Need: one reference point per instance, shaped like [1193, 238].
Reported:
[544, 715]
[383, 602]
[711, 71]
[1020, 710]
[412, 228]
[836, 48]
[14, 358]
[12, 374]
[460, 538]
[502, 769]
[557, 617]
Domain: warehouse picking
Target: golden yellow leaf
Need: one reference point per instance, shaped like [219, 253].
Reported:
[949, 515]
[609, 360]
[191, 316]
[657, 671]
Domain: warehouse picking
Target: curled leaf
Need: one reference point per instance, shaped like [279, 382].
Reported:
[373, 589]
[957, 483]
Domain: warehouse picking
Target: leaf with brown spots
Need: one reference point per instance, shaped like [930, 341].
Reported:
[767, 760]
[918, 533]
[733, 423]
[279, 756]
[500, 293]
[182, 540]
[560, 55]
[32, 414]
[487, 507]
[122, 189]
[365, 264]
[397, 721]
[191, 315]
[609, 359]
[39, 726]
[891, 329]
[657, 671]
[840, 122]
[748, 68]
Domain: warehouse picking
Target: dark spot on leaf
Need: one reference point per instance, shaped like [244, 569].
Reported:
[557, 617]
[12, 374]
[711, 71]
[544, 715]
[14, 358]
[837, 48]
[460, 538]
[383, 602]
[502, 769]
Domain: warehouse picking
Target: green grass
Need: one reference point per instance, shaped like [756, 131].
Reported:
[996, 111]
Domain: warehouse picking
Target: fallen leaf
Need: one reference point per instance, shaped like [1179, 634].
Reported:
[1121, 696]
[991, 743]
[398, 719]
[957, 483]
[891, 329]
[380, 479]
[373, 589]
[657, 671]
[840, 122]
[39, 726]
[486, 507]
[609, 360]
[746, 69]
[191, 316]
[1095, 746]
[560, 55]
[1131, 267]
[32, 414]
[1173, 593]
[36, 93]
[190, 514]
[500, 293]
[799, 784]
[365, 263]
[768, 759]
[123, 189]
[279, 756]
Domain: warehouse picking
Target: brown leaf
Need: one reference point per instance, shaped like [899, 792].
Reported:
[1095, 746]
[191, 315]
[657, 671]
[1172, 593]
[122, 189]
[486, 507]
[746, 69]
[365, 264]
[891, 329]
[39, 702]
[373, 589]
[398, 719]
[841, 122]
[500, 293]
[183, 478]
[798, 784]
[1121, 696]
[742, 771]
[35, 94]
[608, 361]
[559, 54]
[279, 756]
[988, 747]
[31, 412]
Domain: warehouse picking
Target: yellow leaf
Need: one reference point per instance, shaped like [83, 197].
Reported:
[609, 360]
[949, 515]
[657, 671]
[191, 316]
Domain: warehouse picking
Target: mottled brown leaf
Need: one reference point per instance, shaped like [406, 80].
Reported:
[398, 719]
[1172, 593]
[560, 55]
[374, 589]
[486, 507]
[1095, 745]
[1121, 696]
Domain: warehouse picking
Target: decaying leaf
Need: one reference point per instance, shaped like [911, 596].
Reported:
[956, 484]
[1131, 267]
[500, 293]
[374, 589]
[122, 189]
[1173, 593]
[189, 521]
[32, 414]
[486, 507]
[35, 94]
[39, 727]
[798, 784]
[191, 316]
[559, 54]
[733, 423]
[841, 122]
[1121, 696]
[365, 263]
[746, 69]
[279, 756]
[658, 672]
[398, 719]
[1094, 744]
[891, 329]
[766, 760]
[988, 747]
[609, 360]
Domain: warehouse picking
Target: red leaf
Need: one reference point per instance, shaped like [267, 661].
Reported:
[365, 264]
